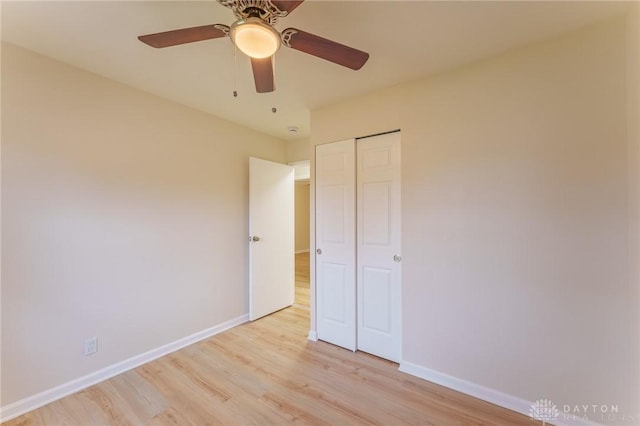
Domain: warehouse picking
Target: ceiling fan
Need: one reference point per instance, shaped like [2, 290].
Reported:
[254, 35]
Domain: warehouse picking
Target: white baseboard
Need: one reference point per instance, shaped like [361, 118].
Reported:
[302, 251]
[313, 336]
[501, 399]
[30, 403]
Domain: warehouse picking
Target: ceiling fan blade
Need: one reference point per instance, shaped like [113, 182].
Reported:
[185, 35]
[263, 74]
[325, 49]
[286, 5]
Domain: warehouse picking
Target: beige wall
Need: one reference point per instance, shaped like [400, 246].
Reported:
[298, 150]
[515, 218]
[633, 91]
[302, 216]
[124, 217]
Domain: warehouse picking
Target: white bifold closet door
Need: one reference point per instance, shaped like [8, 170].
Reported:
[336, 243]
[358, 244]
[378, 245]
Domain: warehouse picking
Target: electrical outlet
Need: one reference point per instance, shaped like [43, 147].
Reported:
[90, 345]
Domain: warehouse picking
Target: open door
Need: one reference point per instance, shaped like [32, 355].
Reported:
[271, 228]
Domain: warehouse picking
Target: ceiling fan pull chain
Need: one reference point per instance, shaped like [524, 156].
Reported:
[273, 69]
[235, 71]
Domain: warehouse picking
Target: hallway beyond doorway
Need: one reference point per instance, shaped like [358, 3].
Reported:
[302, 280]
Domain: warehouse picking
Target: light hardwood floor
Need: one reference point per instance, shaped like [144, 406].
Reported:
[267, 372]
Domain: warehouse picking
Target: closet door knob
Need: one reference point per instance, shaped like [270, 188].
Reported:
[397, 258]
[319, 251]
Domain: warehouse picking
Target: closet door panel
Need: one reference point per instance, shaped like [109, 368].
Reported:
[376, 315]
[376, 226]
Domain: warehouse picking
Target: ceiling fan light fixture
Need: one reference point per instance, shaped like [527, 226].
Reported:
[255, 38]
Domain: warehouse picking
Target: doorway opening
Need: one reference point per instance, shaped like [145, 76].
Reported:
[273, 240]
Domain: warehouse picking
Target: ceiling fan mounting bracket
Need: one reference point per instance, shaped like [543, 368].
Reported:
[286, 36]
[263, 9]
[223, 28]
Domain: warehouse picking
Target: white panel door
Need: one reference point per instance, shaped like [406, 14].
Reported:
[271, 228]
[378, 245]
[335, 243]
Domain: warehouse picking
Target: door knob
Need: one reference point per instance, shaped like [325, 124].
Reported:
[319, 251]
[254, 238]
[397, 258]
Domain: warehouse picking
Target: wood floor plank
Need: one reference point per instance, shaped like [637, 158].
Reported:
[268, 373]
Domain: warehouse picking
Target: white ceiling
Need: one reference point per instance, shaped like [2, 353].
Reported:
[406, 40]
